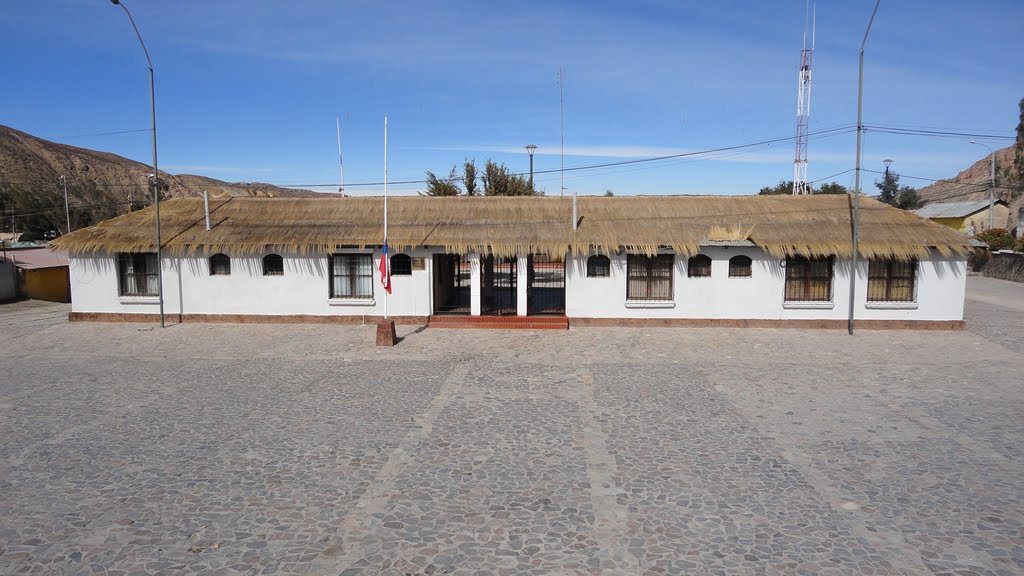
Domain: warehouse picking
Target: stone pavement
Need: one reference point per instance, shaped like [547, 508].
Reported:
[304, 449]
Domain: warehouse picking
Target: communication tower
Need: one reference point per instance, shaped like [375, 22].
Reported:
[803, 108]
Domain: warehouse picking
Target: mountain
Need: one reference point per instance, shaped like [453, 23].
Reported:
[100, 184]
[972, 183]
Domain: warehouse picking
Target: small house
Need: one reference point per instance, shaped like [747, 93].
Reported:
[969, 216]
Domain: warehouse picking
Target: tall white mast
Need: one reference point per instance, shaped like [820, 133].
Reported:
[387, 261]
[341, 164]
[803, 106]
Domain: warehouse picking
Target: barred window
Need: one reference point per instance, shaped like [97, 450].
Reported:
[401, 265]
[699, 266]
[220, 265]
[808, 279]
[137, 274]
[273, 265]
[891, 280]
[740, 267]
[599, 266]
[649, 277]
[351, 276]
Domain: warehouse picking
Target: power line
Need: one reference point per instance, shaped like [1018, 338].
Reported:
[91, 134]
[934, 133]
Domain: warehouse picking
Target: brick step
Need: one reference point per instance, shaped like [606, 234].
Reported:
[501, 322]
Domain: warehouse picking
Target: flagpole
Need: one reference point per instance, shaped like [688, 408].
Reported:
[388, 260]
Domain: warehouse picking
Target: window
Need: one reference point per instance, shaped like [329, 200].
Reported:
[740, 267]
[273, 265]
[699, 266]
[599, 266]
[401, 265]
[649, 277]
[891, 280]
[137, 275]
[351, 276]
[220, 265]
[808, 279]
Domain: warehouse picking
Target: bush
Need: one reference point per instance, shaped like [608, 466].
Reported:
[977, 259]
[997, 239]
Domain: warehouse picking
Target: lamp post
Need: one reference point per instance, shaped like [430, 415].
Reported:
[156, 172]
[856, 186]
[530, 149]
[991, 181]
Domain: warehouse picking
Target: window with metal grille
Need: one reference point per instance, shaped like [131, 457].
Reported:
[401, 265]
[699, 266]
[599, 266]
[740, 267]
[649, 277]
[351, 276]
[808, 279]
[137, 274]
[220, 265]
[273, 265]
[891, 280]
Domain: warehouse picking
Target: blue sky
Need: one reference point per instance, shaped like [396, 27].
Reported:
[249, 90]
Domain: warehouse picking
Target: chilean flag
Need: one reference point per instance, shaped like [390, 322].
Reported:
[385, 271]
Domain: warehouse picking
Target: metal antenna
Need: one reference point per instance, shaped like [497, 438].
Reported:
[341, 164]
[803, 108]
[561, 123]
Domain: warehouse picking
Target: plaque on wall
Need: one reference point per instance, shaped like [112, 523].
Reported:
[419, 263]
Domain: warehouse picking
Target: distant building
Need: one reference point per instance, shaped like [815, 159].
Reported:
[969, 216]
[39, 274]
[640, 260]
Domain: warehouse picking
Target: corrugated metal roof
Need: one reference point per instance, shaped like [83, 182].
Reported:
[951, 209]
[34, 258]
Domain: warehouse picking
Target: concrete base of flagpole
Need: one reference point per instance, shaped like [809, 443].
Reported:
[386, 333]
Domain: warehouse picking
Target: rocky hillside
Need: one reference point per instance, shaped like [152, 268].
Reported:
[972, 183]
[100, 185]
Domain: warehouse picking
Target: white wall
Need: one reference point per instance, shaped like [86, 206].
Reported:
[8, 281]
[940, 291]
[303, 289]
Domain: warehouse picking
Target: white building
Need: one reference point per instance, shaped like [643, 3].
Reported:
[679, 260]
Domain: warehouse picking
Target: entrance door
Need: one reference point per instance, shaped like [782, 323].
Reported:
[545, 292]
[451, 284]
[497, 286]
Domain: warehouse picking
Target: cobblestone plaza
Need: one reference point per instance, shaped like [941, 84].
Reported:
[304, 449]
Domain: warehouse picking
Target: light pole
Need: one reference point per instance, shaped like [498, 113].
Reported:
[156, 172]
[530, 149]
[67, 210]
[856, 186]
[991, 181]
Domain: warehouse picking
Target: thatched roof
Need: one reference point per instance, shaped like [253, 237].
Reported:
[782, 225]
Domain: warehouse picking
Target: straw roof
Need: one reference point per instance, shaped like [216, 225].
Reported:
[504, 226]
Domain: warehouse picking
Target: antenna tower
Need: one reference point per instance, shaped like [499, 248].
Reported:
[341, 164]
[803, 107]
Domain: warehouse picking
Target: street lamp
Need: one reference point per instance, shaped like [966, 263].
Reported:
[530, 149]
[992, 181]
[156, 172]
[856, 187]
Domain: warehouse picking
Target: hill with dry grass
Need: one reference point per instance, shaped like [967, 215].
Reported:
[100, 184]
[974, 183]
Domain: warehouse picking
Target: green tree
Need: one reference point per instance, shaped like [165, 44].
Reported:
[889, 187]
[609, 193]
[907, 199]
[498, 181]
[783, 187]
[832, 188]
[469, 177]
[440, 186]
